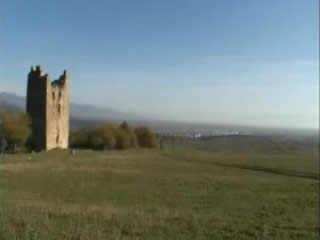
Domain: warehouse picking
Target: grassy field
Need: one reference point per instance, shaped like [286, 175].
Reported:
[153, 194]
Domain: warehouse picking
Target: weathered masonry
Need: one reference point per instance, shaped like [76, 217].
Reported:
[48, 107]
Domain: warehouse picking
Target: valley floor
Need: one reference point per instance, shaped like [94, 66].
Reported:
[152, 194]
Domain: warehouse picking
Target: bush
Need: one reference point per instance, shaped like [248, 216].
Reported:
[16, 129]
[131, 134]
[79, 139]
[146, 138]
[122, 139]
[109, 137]
[95, 139]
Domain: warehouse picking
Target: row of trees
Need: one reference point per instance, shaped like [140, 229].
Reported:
[15, 128]
[109, 136]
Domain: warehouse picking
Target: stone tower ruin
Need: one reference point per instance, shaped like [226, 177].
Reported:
[48, 107]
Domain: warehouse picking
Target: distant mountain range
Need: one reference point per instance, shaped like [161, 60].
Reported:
[81, 114]
[85, 115]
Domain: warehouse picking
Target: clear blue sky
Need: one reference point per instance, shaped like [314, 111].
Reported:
[215, 61]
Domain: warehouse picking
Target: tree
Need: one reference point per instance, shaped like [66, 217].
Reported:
[16, 128]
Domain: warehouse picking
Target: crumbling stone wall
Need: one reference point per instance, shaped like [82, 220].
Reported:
[48, 107]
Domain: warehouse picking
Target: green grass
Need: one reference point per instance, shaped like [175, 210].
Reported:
[149, 194]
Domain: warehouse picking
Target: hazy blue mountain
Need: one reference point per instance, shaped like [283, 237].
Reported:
[10, 101]
[84, 115]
